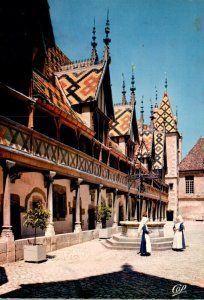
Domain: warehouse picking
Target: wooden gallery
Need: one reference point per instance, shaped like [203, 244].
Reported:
[64, 144]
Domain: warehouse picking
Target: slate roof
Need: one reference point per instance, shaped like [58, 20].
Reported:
[194, 160]
[123, 118]
[164, 115]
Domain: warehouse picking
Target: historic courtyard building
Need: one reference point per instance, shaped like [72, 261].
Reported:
[191, 183]
[64, 144]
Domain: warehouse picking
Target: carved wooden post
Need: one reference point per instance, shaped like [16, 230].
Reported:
[77, 227]
[7, 233]
[50, 231]
[31, 113]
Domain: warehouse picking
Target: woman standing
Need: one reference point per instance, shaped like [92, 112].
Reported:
[145, 246]
[179, 240]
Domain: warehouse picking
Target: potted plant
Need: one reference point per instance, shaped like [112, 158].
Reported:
[103, 214]
[36, 218]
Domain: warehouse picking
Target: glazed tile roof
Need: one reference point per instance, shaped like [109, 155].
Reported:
[146, 138]
[165, 116]
[55, 59]
[159, 148]
[194, 160]
[123, 118]
[150, 142]
[51, 95]
[81, 84]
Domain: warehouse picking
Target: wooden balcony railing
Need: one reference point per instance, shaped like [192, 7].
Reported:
[25, 141]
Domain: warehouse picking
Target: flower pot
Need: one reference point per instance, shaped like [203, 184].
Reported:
[105, 233]
[34, 253]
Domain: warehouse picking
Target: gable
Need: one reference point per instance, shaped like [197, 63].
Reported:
[80, 85]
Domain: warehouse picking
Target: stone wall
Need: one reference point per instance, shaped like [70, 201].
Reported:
[13, 251]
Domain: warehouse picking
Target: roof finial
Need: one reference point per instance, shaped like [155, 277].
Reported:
[94, 55]
[166, 85]
[142, 110]
[107, 40]
[124, 101]
[132, 89]
[151, 110]
[156, 97]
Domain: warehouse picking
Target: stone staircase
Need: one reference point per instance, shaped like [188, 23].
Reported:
[120, 242]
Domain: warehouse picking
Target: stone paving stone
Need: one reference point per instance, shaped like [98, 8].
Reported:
[90, 270]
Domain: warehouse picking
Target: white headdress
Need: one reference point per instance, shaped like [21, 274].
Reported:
[142, 222]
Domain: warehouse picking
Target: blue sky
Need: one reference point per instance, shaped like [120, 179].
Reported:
[160, 37]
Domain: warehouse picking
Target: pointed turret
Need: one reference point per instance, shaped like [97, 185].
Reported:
[141, 120]
[107, 40]
[94, 55]
[132, 89]
[124, 100]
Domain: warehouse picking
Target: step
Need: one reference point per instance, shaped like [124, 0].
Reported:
[113, 244]
[135, 240]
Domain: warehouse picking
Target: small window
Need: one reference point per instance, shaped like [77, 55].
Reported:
[171, 186]
[189, 185]
[59, 203]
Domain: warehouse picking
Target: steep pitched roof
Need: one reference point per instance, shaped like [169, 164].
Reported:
[81, 84]
[55, 59]
[123, 118]
[50, 94]
[159, 149]
[194, 160]
[164, 116]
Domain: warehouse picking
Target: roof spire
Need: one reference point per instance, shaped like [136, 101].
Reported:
[132, 89]
[151, 111]
[107, 40]
[124, 101]
[142, 110]
[166, 85]
[94, 55]
[156, 97]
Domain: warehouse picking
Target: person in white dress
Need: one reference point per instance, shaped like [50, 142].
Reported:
[179, 240]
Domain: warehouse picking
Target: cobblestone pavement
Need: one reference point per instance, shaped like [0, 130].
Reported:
[89, 270]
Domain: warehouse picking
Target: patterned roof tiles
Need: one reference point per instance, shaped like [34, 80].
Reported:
[159, 146]
[55, 60]
[51, 94]
[194, 160]
[81, 84]
[122, 124]
[165, 116]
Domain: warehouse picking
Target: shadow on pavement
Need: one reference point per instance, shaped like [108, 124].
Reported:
[3, 276]
[125, 284]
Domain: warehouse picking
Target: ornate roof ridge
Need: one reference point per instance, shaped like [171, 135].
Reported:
[80, 64]
[128, 105]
